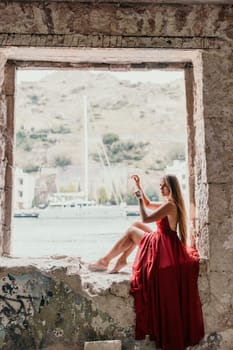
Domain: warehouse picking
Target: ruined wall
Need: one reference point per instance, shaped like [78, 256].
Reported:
[42, 306]
[218, 112]
[130, 25]
[3, 121]
[46, 305]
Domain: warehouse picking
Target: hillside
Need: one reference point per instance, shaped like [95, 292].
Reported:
[50, 119]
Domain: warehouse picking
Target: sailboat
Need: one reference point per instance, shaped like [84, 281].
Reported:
[71, 205]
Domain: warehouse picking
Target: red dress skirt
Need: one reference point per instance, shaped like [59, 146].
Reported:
[164, 287]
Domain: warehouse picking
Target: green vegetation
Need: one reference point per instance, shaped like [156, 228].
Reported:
[21, 137]
[39, 135]
[62, 161]
[34, 99]
[102, 197]
[27, 140]
[60, 130]
[110, 138]
[120, 151]
[27, 147]
[30, 168]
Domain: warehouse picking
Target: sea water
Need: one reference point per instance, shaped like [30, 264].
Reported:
[87, 238]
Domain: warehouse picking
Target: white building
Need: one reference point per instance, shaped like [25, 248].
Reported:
[24, 189]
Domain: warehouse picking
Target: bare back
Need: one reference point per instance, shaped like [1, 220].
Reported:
[172, 217]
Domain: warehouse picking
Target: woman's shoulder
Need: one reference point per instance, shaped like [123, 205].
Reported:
[168, 208]
[170, 205]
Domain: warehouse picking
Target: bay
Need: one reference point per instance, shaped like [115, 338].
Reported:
[87, 238]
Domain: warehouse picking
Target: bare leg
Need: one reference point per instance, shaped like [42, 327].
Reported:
[122, 261]
[125, 245]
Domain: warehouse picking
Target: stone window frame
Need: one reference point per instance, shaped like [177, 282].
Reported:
[114, 60]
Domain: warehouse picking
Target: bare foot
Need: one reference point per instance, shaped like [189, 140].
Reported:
[119, 265]
[100, 265]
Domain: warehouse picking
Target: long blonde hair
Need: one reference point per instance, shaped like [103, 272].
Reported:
[175, 192]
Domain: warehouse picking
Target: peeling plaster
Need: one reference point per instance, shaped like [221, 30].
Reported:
[228, 244]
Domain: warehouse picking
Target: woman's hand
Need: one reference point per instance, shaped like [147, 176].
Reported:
[137, 180]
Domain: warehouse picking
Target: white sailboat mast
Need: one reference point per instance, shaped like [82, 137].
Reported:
[85, 148]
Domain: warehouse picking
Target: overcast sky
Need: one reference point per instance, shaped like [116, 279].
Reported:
[157, 76]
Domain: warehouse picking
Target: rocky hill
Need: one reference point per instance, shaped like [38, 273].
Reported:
[131, 127]
[147, 119]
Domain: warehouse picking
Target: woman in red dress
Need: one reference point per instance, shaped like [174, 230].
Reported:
[165, 272]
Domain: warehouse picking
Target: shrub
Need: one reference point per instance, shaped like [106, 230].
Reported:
[27, 147]
[60, 130]
[102, 196]
[110, 138]
[21, 137]
[34, 99]
[119, 151]
[30, 168]
[35, 136]
[61, 161]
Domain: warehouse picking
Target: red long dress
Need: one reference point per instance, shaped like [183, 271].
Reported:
[164, 287]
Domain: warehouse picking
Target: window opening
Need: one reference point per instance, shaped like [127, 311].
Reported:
[80, 135]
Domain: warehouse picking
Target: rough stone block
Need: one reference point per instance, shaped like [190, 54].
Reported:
[103, 345]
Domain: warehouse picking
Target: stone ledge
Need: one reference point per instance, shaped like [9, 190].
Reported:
[103, 345]
[60, 290]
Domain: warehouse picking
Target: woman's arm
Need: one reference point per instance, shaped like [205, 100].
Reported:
[164, 210]
[148, 204]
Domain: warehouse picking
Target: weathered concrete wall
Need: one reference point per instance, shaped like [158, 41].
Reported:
[218, 112]
[3, 161]
[75, 24]
[129, 25]
[43, 307]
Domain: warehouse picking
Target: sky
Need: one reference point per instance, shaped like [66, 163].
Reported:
[156, 76]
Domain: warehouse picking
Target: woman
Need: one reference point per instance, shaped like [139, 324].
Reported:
[165, 272]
